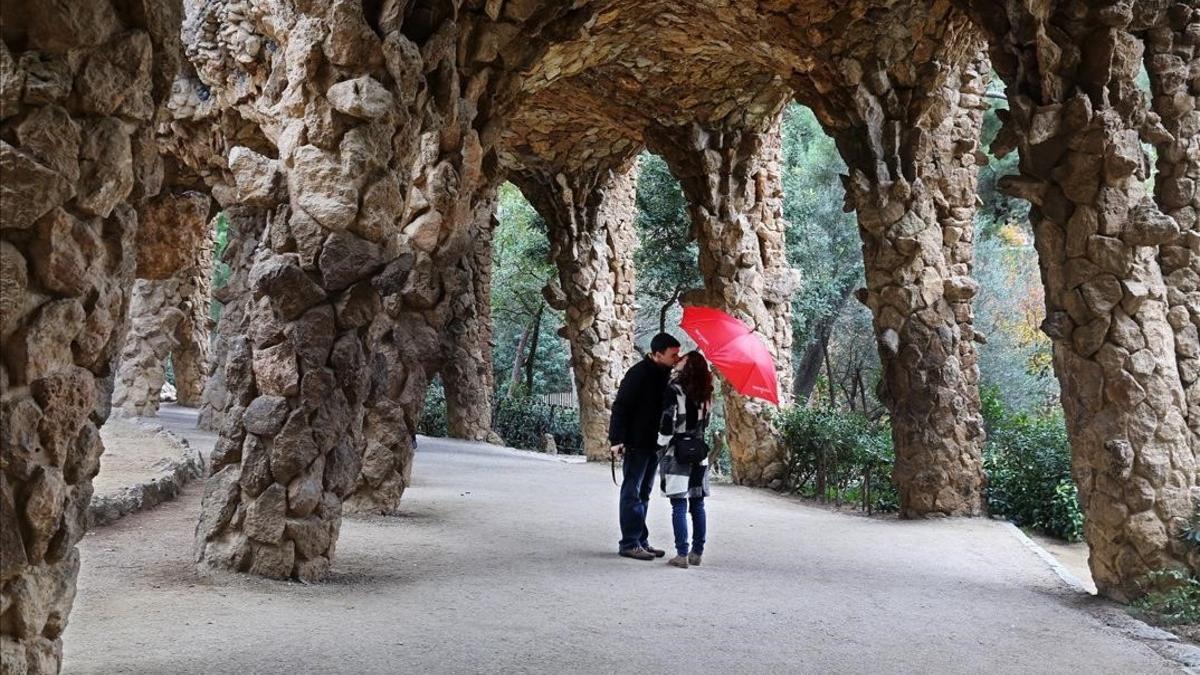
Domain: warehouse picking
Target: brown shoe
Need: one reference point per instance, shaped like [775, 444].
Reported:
[694, 559]
[678, 561]
[636, 553]
[658, 552]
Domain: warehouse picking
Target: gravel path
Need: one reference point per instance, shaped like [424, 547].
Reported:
[502, 562]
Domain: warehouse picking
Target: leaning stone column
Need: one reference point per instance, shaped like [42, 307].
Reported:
[1171, 60]
[1078, 123]
[910, 147]
[592, 216]
[173, 265]
[912, 179]
[76, 99]
[731, 179]
[467, 371]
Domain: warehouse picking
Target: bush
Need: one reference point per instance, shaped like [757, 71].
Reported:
[523, 421]
[839, 456]
[1174, 600]
[1173, 596]
[1028, 462]
[434, 421]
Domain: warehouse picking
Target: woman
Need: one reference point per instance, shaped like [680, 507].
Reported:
[686, 405]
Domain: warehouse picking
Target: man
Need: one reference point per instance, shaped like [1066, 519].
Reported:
[633, 432]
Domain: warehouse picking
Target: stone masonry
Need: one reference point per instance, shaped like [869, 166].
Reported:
[353, 146]
[1079, 119]
[375, 115]
[591, 216]
[731, 180]
[168, 311]
[467, 369]
[76, 154]
[911, 182]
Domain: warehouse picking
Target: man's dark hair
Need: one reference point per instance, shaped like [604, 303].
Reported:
[662, 342]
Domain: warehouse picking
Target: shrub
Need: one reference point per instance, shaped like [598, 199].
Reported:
[523, 421]
[839, 456]
[1175, 598]
[1028, 462]
[434, 421]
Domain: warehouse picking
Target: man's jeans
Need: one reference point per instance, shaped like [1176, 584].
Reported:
[680, 506]
[639, 467]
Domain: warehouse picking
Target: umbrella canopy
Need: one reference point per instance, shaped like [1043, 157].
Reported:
[739, 354]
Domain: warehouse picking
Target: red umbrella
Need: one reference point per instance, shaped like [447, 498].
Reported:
[735, 350]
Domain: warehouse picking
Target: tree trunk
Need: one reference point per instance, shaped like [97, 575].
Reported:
[662, 312]
[810, 362]
[531, 359]
[514, 380]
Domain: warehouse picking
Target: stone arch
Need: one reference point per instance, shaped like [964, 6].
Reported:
[909, 139]
[382, 132]
[590, 214]
[169, 307]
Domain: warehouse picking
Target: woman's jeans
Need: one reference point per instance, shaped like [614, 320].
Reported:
[680, 507]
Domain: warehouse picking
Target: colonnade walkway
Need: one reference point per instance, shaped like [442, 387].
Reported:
[502, 561]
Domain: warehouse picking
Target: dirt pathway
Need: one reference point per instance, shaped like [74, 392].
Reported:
[502, 562]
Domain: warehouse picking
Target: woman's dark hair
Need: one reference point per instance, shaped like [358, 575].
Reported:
[695, 379]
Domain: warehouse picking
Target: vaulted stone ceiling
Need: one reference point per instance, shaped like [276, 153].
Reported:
[640, 65]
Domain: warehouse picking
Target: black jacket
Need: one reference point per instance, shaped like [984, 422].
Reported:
[638, 409]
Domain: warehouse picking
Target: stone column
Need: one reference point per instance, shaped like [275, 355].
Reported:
[1078, 118]
[592, 217]
[467, 371]
[912, 177]
[247, 226]
[76, 99]
[169, 306]
[378, 159]
[1171, 58]
[732, 183]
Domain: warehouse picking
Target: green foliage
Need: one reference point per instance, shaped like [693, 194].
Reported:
[434, 421]
[221, 271]
[1190, 534]
[1028, 463]
[1010, 306]
[521, 267]
[1173, 598]
[997, 209]
[840, 456]
[666, 256]
[822, 240]
[523, 421]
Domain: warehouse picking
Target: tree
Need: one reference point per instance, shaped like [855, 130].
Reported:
[666, 256]
[526, 343]
[822, 241]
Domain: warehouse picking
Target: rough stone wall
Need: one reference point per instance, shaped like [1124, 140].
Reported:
[592, 217]
[247, 225]
[378, 115]
[76, 98]
[467, 371]
[732, 183]
[957, 160]
[911, 181]
[169, 305]
[1078, 118]
[1171, 56]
